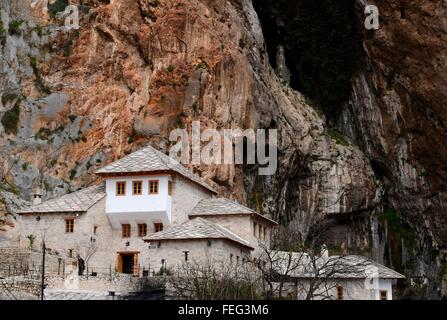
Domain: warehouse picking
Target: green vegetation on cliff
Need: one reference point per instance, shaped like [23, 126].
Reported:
[10, 119]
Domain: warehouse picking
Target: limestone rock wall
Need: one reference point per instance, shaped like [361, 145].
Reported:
[136, 70]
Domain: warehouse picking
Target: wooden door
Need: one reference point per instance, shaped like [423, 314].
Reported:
[135, 264]
[119, 266]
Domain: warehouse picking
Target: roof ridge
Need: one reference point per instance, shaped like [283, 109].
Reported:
[88, 199]
[220, 227]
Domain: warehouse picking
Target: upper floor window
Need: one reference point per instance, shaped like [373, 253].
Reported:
[339, 293]
[260, 233]
[158, 227]
[170, 188]
[121, 188]
[254, 228]
[137, 187]
[142, 230]
[95, 230]
[153, 186]
[383, 295]
[125, 228]
[69, 225]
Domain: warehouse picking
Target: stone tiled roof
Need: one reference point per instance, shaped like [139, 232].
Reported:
[222, 206]
[79, 201]
[149, 160]
[197, 228]
[336, 267]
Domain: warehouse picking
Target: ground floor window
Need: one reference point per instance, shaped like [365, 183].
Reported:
[383, 294]
[339, 293]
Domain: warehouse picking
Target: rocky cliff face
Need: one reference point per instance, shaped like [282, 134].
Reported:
[72, 101]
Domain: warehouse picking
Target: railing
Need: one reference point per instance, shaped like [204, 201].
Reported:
[6, 293]
[32, 271]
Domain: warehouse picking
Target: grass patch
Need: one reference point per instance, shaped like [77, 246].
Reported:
[25, 166]
[9, 187]
[338, 137]
[39, 81]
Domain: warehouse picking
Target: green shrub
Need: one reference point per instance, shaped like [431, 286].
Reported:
[2, 28]
[73, 173]
[9, 187]
[7, 97]
[43, 134]
[14, 27]
[52, 163]
[170, 68]
[10, 120]
[337, 137]
[57, 6]
[25, 166]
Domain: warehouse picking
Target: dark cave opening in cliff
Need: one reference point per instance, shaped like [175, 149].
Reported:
[322, 46]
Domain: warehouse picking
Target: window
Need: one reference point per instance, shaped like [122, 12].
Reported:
[231, 258]
[254, 228]
[158, 227]
[170, 188]
[265, 233]
[383, 294]
[260, 232]
[69, 225]
[121, 188]
[137, 187]
[70, 253]
[339, 293]
[153, 186]
[142, 230]
[95, 230]
[126, 230]
[186, 255]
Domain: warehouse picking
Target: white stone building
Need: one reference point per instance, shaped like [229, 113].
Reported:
[349, 277]
[150, 211]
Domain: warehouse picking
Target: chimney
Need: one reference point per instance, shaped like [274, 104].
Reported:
[37, 196]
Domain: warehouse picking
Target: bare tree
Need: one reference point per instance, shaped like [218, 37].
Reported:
[304, 264]
[207, 281]
[86, 249]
